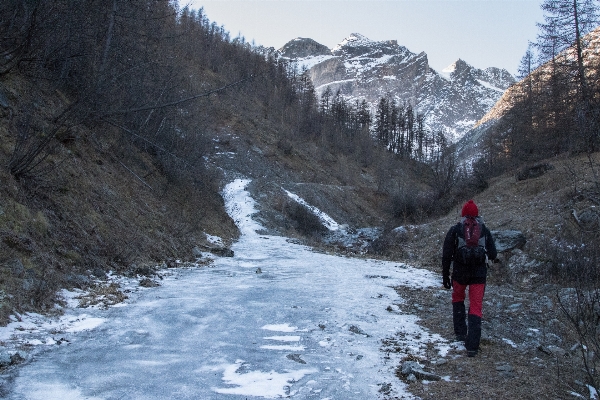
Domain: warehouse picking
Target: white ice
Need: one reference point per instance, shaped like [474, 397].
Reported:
[226, 332]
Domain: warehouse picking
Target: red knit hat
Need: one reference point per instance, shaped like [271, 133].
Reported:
[470, 208]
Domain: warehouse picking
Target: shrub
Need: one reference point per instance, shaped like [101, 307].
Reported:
[306, 222]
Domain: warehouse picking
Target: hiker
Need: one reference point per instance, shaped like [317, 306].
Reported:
[468, 246]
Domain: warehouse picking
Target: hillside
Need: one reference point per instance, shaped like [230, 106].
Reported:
[119, 169]
[537, 117]
[529, 348]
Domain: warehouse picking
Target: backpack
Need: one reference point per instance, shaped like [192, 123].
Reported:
[471, 246]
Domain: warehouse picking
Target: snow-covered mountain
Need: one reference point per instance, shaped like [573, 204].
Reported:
[453, 99]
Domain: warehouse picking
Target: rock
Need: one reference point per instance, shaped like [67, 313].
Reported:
[197, 252]
[258, 270]
[222, 251]
[504, 368]
[552, 350]
[303, 47]
[415, 369]
[5, 359]
[296, 358]
[587, 219]
[426, 376]
[357, 330]
[411, 378]
[147, 282]
[16, 358]
[534, 171]
[17, 269]
[3, 100]
[143, 270]
[508, 240]
[408, 366]
[385, 388]
[99, 273]
[77, 280]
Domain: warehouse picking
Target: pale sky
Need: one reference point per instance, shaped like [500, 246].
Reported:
[484, 33]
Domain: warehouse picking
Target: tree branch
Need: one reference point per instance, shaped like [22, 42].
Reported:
[174, 103]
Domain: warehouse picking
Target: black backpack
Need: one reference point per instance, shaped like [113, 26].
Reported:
[471, 245]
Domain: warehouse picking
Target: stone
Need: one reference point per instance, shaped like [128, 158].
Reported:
[552, 350]
[3, 100]
[296, 358]
[16, 358]
[147, 282]
[222, 251]
[533, 171]
[508, 239]
[408, 366]
[5, 360]
[504, 368]
[357, 330]
[197, 252]
[415, 369]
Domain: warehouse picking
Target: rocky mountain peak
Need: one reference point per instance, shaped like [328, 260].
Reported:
[302, 48]
[457, 69]
[355, 39]
[364, 69]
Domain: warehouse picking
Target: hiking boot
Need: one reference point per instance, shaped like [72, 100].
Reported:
[473, 335]
[471, 353]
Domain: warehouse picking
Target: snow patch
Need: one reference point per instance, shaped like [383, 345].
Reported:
[45, 391]
[283, 338]
[241, 207]
[325, 219]
[489, 86]
[283, 347]
[257, 383]
[84, 323]
[309, 62]
[214, 239]
[280, 328]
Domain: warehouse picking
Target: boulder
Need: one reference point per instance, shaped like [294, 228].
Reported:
[413, 368]
[508, 240]
[222, 251]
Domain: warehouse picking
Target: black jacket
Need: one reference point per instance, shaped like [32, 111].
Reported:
[460, 273]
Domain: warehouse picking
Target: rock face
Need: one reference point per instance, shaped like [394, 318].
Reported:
[360, 68]
[508, 240]
[303, 47]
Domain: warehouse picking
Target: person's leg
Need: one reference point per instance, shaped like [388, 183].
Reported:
[458, 311]
[476, 293]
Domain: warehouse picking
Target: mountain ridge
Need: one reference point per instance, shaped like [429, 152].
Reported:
[452, 100]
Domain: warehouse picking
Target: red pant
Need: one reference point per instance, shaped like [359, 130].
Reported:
[476, 292]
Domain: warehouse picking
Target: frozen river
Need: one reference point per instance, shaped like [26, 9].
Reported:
[306, 325]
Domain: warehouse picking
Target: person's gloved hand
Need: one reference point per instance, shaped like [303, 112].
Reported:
[446, 281]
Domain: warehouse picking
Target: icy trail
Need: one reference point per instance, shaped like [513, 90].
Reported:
[308, 326]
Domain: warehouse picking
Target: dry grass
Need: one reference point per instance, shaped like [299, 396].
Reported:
[100, 204]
